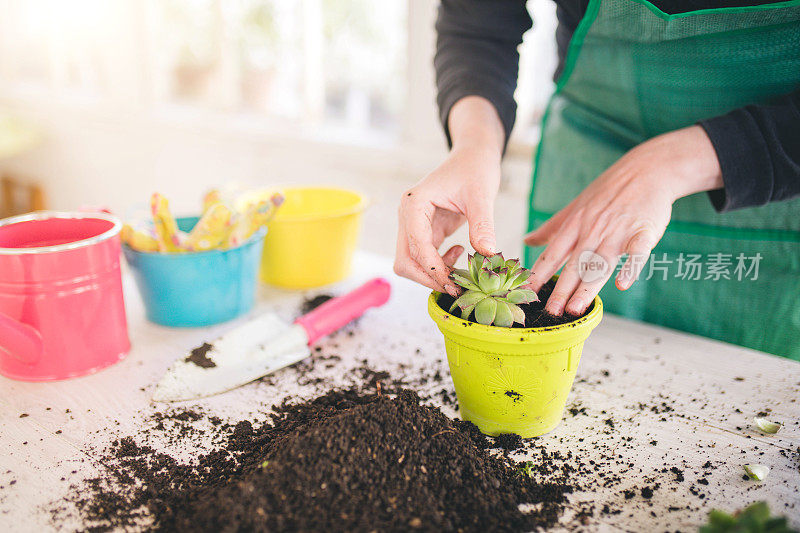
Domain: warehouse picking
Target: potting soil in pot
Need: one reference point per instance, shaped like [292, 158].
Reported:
[345, 461]
[535, 315]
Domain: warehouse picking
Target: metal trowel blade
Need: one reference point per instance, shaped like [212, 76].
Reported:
[246, 353]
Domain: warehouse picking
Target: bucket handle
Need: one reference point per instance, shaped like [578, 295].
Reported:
[21, 341]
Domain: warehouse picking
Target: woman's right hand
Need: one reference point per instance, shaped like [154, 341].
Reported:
[463, 188]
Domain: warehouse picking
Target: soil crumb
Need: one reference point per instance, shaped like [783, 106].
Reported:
[309, 304]
[535, 315]
[344, 461]
[200, 358]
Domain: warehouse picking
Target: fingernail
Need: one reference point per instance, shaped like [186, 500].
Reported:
[575, 308]
[556, 309]
[451, 290]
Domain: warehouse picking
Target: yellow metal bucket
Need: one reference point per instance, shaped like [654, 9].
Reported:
[510, 380]
[311, 240]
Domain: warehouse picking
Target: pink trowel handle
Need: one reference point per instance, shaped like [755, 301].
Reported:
[339, 311]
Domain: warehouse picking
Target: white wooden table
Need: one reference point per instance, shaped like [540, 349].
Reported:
[674, 400]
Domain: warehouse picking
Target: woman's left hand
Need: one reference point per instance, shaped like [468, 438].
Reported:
[624, 211]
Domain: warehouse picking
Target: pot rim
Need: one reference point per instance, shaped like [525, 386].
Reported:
[357, 208]
[258, 235]
[457, 325]
[47, 215]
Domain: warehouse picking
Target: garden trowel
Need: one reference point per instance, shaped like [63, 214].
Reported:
[262, 345]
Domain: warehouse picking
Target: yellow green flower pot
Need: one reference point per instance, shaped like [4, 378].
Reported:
[513, 380]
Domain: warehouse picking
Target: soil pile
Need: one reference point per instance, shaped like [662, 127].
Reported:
[345, 461]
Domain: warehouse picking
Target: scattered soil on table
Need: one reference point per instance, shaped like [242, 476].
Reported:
[535, 315]
[208, 461]
[344, 461]
[185, 416]
[200, 358]
[217, 469]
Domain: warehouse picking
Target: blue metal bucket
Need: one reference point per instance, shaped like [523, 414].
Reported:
[197, 288]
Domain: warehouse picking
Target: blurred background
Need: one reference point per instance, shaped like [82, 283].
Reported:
[103, 102]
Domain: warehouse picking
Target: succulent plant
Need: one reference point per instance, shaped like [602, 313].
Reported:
[753, 519]
[492, 290]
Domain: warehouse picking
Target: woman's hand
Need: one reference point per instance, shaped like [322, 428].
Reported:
[463, 188]
[625, 210]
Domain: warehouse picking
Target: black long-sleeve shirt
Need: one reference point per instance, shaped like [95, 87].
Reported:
[758, 146]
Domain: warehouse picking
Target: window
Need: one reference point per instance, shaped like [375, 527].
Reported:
[537, 63]
[359, 68]
[318, 62]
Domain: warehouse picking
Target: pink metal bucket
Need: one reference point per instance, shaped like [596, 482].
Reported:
[61, 308]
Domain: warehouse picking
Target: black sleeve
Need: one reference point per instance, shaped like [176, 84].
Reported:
[758, 147]
[476, 54]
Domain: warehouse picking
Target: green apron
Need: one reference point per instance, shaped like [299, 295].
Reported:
[633, 72]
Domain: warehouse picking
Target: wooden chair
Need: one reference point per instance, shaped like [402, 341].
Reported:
[17, 198]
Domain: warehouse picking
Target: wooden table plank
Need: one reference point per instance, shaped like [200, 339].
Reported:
[630, 374]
